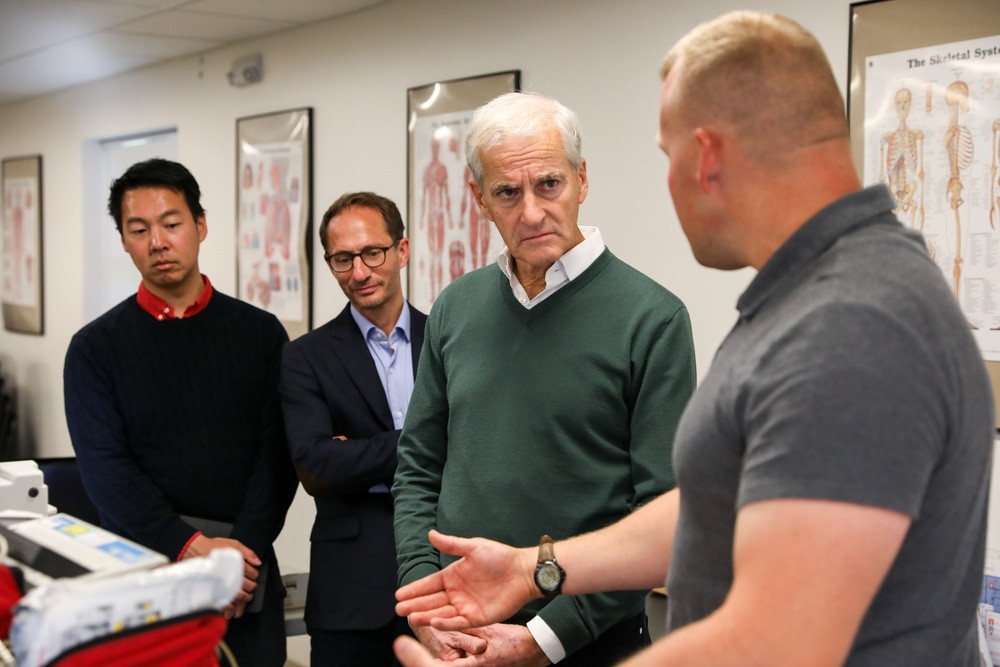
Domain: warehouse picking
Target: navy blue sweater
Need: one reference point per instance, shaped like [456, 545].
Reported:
[181, 417]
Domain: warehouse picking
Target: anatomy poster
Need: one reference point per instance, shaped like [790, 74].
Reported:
[270, 211]
[932, 135]
[20, 241]
[273, 185]
[448, 235]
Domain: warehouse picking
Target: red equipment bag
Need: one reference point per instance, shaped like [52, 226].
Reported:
[11, 590]
[185, 641]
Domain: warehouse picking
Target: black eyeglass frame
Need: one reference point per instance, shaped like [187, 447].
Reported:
[327, 258]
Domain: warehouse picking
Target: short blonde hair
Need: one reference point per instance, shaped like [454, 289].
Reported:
[763, 75]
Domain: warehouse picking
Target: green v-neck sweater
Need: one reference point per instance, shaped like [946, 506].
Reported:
[559, 419]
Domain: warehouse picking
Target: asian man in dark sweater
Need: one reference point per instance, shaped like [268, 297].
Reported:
[172, 405]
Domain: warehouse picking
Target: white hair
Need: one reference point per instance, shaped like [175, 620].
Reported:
[519, 115]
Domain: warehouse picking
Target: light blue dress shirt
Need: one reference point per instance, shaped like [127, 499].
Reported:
[394, 364]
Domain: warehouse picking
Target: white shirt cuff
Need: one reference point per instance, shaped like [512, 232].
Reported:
[546, 639]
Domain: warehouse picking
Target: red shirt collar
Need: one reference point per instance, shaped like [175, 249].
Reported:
[159, 308]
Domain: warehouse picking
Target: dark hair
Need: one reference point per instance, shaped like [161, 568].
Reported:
[390, 213]
[155, 173]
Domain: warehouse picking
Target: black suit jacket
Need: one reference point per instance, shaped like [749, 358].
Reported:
[329, 387]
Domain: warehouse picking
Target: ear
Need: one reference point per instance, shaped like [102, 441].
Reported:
[584, 183]
[708, 164]
[202, 223]
[404, 251]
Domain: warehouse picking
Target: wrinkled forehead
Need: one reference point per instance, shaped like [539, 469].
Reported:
[543, 152]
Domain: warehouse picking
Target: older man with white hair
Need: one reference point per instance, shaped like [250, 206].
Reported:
[549, 389]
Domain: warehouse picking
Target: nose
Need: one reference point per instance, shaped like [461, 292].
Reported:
[157, 239]
[360, 271]
[533, 213]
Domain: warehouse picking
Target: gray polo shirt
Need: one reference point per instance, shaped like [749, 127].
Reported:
[850, 375]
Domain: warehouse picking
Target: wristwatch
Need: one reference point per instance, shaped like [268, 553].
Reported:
[549, 577]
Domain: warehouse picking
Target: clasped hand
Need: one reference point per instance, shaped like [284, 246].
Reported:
[203, 545]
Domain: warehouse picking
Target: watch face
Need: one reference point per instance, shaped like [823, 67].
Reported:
[547, 577]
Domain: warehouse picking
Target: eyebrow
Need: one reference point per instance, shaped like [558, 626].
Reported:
[551, 176]
[163, 216]
[499, 187]
[365, 249]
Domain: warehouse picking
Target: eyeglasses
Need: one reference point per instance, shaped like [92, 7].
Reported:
[373, 257]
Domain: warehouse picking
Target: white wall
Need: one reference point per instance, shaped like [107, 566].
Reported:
[598, 57]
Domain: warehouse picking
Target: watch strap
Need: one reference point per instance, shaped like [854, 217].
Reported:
[546, 549]
[549, 577]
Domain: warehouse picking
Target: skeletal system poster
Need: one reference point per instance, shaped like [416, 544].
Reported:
[932, 134]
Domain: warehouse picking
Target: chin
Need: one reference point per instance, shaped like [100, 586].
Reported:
[371, 302]
[161, 280]
[541, 256]
[720, 263]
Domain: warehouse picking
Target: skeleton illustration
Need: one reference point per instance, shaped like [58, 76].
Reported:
[901, 159]
[958, 145]
[479, 225]
[456, 260]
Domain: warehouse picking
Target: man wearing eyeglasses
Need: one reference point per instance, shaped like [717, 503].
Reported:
[345, 388]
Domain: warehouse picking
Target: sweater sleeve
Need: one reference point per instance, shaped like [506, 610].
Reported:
[663, 382]
[273, 481]
[126, 498]
[579, 620]
[422, 451]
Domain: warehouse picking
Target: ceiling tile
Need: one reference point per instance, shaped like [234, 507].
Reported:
[289, 10]
[47, 45]
[87, 59]
[211, 27]
[90, 58]
[139, 49]
[147, 4]
[29, 25]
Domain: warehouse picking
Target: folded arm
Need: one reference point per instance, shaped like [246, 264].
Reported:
[326, 460]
